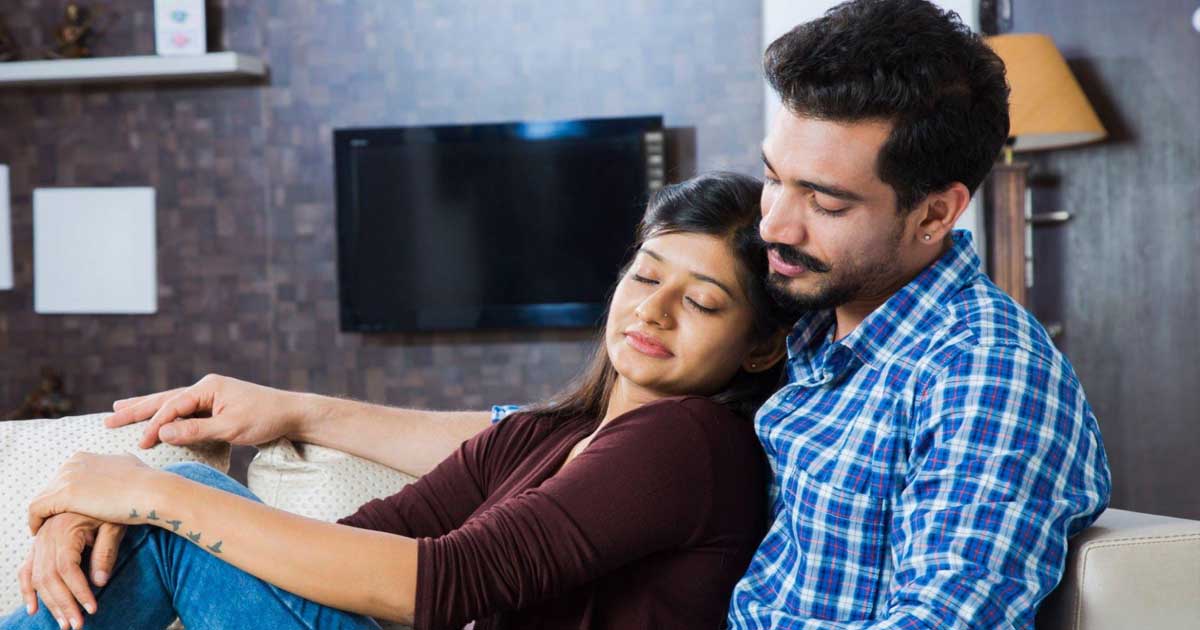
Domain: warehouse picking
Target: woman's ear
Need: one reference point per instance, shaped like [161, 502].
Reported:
[764, 355]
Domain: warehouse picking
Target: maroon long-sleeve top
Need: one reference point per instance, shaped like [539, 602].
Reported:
[650, 526]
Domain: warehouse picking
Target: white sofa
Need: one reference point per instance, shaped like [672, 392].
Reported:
[1128, 570]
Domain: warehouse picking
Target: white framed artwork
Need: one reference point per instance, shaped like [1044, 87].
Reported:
[94, 251]
[6, 261]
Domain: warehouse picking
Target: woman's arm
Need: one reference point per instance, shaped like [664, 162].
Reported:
[362, 571]
[358, 570]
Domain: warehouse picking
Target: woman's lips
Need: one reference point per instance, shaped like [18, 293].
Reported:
[647, 345]
[779, 266]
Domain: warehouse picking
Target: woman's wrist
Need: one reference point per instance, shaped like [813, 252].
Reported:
[157, 498]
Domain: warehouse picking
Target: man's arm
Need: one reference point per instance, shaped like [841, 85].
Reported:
[1006, 464]
[409, 440]
[239, 412]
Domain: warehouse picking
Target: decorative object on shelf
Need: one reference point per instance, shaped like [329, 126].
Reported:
[79, 30]
[6, 267]
[94, 251]
[179, 27]
[47, 401]
[1047, 110]
[8, 46]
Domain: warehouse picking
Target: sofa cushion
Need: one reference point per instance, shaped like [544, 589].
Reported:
[319, 482]
[31, 452]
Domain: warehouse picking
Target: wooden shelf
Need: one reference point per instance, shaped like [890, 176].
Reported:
[212, 66]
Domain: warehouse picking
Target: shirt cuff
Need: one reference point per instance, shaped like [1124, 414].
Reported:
[500, 412]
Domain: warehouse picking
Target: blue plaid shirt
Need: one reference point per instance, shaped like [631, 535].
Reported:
[928, 467]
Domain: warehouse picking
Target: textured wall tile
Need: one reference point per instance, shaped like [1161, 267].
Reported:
[244, 177]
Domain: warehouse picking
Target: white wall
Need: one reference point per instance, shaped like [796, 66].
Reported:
[779, 16]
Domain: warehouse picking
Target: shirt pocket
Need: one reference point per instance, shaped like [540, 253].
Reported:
[841, 537]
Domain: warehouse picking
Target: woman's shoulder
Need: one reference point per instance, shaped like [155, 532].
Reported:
[677, 415]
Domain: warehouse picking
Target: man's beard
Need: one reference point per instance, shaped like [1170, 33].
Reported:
[835, 286]
[828, 295]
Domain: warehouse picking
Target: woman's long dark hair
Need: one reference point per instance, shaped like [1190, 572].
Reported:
[721, 204]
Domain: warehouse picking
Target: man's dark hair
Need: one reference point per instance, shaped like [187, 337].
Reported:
[910, 63]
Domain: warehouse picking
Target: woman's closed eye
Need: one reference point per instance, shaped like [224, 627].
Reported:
[709, 310]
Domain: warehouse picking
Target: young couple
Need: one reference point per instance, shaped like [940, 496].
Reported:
[927, 451]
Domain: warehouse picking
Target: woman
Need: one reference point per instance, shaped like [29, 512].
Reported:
[634, 500]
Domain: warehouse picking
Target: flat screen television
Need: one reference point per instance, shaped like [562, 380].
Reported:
[512, 225]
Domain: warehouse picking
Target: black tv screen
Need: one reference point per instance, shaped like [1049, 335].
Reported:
[511, 225]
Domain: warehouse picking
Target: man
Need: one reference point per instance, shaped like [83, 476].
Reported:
[931, 451]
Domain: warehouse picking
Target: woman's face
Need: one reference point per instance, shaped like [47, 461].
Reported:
[680, 322]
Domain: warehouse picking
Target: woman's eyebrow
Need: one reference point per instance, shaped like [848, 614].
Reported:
[699, 276]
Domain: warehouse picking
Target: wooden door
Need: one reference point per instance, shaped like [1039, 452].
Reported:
[1123, 276]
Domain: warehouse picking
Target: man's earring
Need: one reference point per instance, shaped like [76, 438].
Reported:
[753, 365]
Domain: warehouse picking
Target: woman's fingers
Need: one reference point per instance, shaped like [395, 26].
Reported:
[25, 578]
[70, 559]
[41, 508]
[53, 591]
[104, 552]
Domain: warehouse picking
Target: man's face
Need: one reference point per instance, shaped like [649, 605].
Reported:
[834, 234]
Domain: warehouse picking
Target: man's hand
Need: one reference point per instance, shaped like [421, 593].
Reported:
[231, 411]
[53, 568]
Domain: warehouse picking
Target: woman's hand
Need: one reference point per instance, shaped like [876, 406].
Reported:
[231, 411]
[53, 570]
[112, 488]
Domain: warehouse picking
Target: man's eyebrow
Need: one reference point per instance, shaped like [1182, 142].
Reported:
[699, 276]
[836, 192]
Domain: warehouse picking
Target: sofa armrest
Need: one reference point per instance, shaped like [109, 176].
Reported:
[1129, 570]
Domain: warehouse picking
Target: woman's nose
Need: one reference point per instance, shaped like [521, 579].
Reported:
[655, 310]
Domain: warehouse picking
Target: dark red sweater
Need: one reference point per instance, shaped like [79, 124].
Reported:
[649, 527]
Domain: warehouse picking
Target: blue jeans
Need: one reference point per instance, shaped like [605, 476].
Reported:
[160, 575]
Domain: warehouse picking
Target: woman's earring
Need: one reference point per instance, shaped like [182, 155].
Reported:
[928, 236]
[753, 365]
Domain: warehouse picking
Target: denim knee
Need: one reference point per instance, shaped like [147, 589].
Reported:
[209, 476]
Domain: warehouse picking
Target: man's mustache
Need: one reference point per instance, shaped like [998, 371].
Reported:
[793, 256]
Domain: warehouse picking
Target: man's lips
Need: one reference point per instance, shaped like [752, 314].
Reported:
[647, 345]
[779, 266]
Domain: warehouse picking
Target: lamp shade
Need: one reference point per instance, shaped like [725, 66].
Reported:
[1047, 108]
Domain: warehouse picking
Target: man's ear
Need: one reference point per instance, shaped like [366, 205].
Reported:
[940, 211]
[764, 355]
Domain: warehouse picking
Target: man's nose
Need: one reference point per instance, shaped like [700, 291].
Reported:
[783, 219]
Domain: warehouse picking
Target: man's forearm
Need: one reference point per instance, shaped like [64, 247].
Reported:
[409, 440]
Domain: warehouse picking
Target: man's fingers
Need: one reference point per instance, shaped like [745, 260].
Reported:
[185, 403]
[104, 552]
[25, 578]
[69, 570]
[138, 408]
